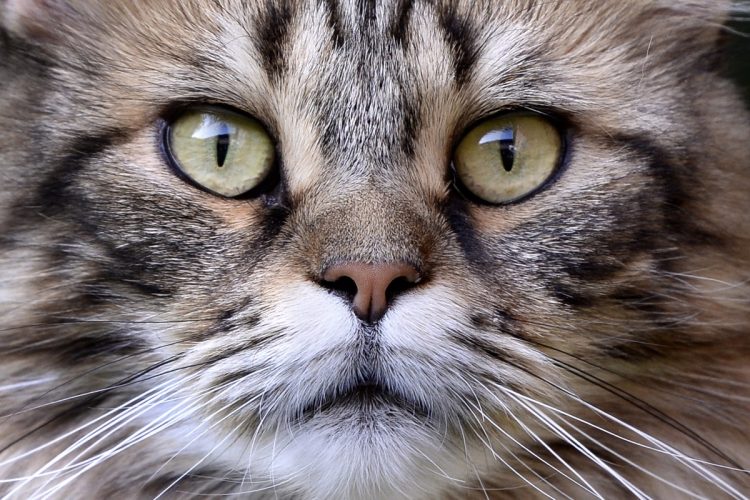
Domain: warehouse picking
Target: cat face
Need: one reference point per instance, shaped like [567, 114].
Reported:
[364, 318]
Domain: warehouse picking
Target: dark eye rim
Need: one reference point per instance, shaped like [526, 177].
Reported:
[561, 123]
[164, 126]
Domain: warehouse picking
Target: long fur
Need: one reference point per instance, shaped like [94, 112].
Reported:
[158, 341]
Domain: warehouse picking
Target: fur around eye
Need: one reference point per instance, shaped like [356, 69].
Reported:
[508, 157]
[221, 151]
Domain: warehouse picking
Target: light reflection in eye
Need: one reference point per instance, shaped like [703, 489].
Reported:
[505, 134]
[211, 127]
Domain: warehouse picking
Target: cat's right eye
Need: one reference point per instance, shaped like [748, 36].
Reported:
[224, 152]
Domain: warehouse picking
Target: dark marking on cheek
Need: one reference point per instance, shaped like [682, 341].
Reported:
[256, 342]
[593, 268]
[53, 194]
[235, 318]
[151, 251]
[572, 296]
[101, 344]
[75, 341]
[144, 284]
[273, 220]
[273, 31]
[460, 34]
[237, 375]
[481, 347]
[631, 350]
[671, 175]
[226, 315]
[230, 322]
[480, 321]
[130, 254]
[55, 198]
[455, 211]
[501, 322]
[646, 302]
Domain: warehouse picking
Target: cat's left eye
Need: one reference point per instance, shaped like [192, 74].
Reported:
[508, 157]
[224, 152]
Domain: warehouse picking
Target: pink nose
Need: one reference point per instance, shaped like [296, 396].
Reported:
[374, 285]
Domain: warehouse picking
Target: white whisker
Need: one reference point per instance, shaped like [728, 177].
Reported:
[554, 427]
[582, 484]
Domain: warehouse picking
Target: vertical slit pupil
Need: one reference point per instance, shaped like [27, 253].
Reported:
[222, 148]
[508, 148]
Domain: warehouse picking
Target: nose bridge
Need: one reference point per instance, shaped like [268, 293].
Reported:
[370, 226]
[371, 251]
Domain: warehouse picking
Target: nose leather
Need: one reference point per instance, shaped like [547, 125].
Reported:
[374, 283]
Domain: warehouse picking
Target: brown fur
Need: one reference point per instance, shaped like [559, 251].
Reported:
[622, 289]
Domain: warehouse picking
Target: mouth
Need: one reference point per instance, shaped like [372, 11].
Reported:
[364, 399]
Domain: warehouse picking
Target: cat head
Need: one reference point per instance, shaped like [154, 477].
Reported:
[376, 282]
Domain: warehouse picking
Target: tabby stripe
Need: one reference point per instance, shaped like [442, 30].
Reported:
[334, 21]
[368, 10]
[670, 176]
[459, 34]
[455, 211]
[400, 24]
[482, 347]
[412, 122]
[53, 192]
[273, 33]
[664, 169]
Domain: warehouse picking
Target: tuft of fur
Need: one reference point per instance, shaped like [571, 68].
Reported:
[161, 342]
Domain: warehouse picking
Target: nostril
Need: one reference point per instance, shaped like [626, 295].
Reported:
[397, 286]
[345, 287]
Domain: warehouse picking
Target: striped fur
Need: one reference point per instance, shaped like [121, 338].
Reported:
[158, 341]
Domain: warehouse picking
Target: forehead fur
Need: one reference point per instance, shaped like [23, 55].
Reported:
[279, 58]
[579, 19]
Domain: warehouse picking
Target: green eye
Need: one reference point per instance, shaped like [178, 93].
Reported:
[506, 158]
[224, 152]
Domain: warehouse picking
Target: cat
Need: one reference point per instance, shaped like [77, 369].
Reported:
[372, 249]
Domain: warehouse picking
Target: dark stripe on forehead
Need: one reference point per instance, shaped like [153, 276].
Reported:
[401, 19]
[333, 16]
[367, 9]
[272, 39]
[460, 35]
[412, 121]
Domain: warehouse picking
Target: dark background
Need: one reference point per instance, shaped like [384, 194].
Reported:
[739, 55]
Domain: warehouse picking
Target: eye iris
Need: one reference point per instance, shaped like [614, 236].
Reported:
[505, 158]
[223, 152]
